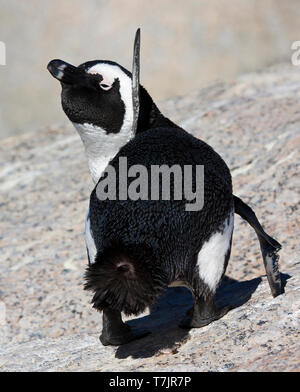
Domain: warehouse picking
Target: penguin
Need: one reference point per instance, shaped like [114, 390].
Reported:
[139, 247]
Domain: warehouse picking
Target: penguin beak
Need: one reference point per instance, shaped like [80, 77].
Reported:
[65, 72]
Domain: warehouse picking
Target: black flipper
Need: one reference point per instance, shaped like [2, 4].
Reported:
[269, 247]
[136, 81]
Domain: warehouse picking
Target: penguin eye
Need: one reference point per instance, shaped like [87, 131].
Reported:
[105, 86]
[105, 82]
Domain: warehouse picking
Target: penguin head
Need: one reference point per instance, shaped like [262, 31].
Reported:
[98, 93]
[101, 94]
[106, 104]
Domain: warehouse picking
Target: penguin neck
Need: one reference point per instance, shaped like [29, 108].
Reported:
[100, 146]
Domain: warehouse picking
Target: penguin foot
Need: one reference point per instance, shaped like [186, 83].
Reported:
[123, 336]
[194, 319]
[115, 332]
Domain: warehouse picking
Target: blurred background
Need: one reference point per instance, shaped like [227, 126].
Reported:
[186, 44]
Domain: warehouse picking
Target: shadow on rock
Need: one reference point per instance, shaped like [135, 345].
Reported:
[162, 322]
[234, 293]
[165, 316]
[284, 278]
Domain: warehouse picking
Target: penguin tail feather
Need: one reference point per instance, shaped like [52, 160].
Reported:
[268, 245]
[125, 278]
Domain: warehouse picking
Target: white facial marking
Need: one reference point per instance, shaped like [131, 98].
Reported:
[101, 146]
[110, 73]
[211, 257]
[89, 240]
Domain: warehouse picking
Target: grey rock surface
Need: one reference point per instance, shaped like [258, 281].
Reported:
[46, 320]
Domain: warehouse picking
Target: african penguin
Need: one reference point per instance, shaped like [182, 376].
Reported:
[138, 248]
